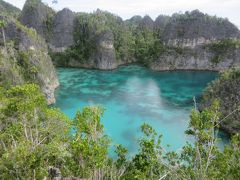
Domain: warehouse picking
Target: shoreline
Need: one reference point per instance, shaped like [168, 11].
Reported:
[139, 64]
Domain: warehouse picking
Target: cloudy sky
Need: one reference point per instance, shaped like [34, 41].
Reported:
[128, 8]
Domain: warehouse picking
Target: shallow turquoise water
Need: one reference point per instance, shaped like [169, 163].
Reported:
[133, 95]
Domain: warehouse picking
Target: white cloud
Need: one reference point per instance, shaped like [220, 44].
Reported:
[126, 8]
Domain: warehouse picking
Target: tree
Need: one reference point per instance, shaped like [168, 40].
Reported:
[200, 159]
[148, 162]
[88, 145]
[32, 136]
[203, 159]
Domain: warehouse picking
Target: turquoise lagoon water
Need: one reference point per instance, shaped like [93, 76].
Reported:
[133, 95]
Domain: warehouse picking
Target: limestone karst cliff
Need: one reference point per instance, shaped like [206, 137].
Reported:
[24, 58]
[215, 56]
[169, 42]
[62, 30]
[39, 16]
[196, 28]
[103, 55]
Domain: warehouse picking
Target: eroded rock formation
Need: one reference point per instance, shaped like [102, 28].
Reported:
[63, 29]
[26, 59]
[39, 16]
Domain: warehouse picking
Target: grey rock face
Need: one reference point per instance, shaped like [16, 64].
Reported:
[190, 43]
[195, 59]
[9, 9]
[147, 23]
[197, 28]
[189, 30]
[160, 23]
[55, 173]
[105, 58]
[28, 42]
[37, 15]
[63, 26]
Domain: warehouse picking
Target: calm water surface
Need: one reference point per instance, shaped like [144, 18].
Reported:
[133, 95]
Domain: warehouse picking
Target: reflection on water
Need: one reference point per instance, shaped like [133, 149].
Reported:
[133, 95]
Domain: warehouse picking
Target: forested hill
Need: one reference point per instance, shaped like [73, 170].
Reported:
[103, 40]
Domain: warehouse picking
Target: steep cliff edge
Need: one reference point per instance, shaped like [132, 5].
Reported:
[103, 55]
[197, 41]
[227, 90]
[216, 56]
[196, 28]
[92, 44]
[39, 16]
[24, 58]
[172, 42]
[62, 31]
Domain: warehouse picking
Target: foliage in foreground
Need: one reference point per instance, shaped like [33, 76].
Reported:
[34, 137]
[227, 89]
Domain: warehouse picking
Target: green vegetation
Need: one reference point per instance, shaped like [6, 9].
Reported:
[28, 69]
[48, 23]
[16, 67]
[143, 40]
[201, 25]
[147, 45]
[61, 59]
[2, 25]
[222, 49]
[10, 71]
[130, 41]
[90, 27]
[34, 137]
[226, 89]
[9, 10]
[88, 146]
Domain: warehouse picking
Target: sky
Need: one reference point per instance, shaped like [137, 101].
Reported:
[128, 8]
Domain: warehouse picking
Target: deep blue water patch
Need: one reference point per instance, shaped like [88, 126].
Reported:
[133, 95]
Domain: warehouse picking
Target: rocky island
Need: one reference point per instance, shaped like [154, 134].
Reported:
[103, 40]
